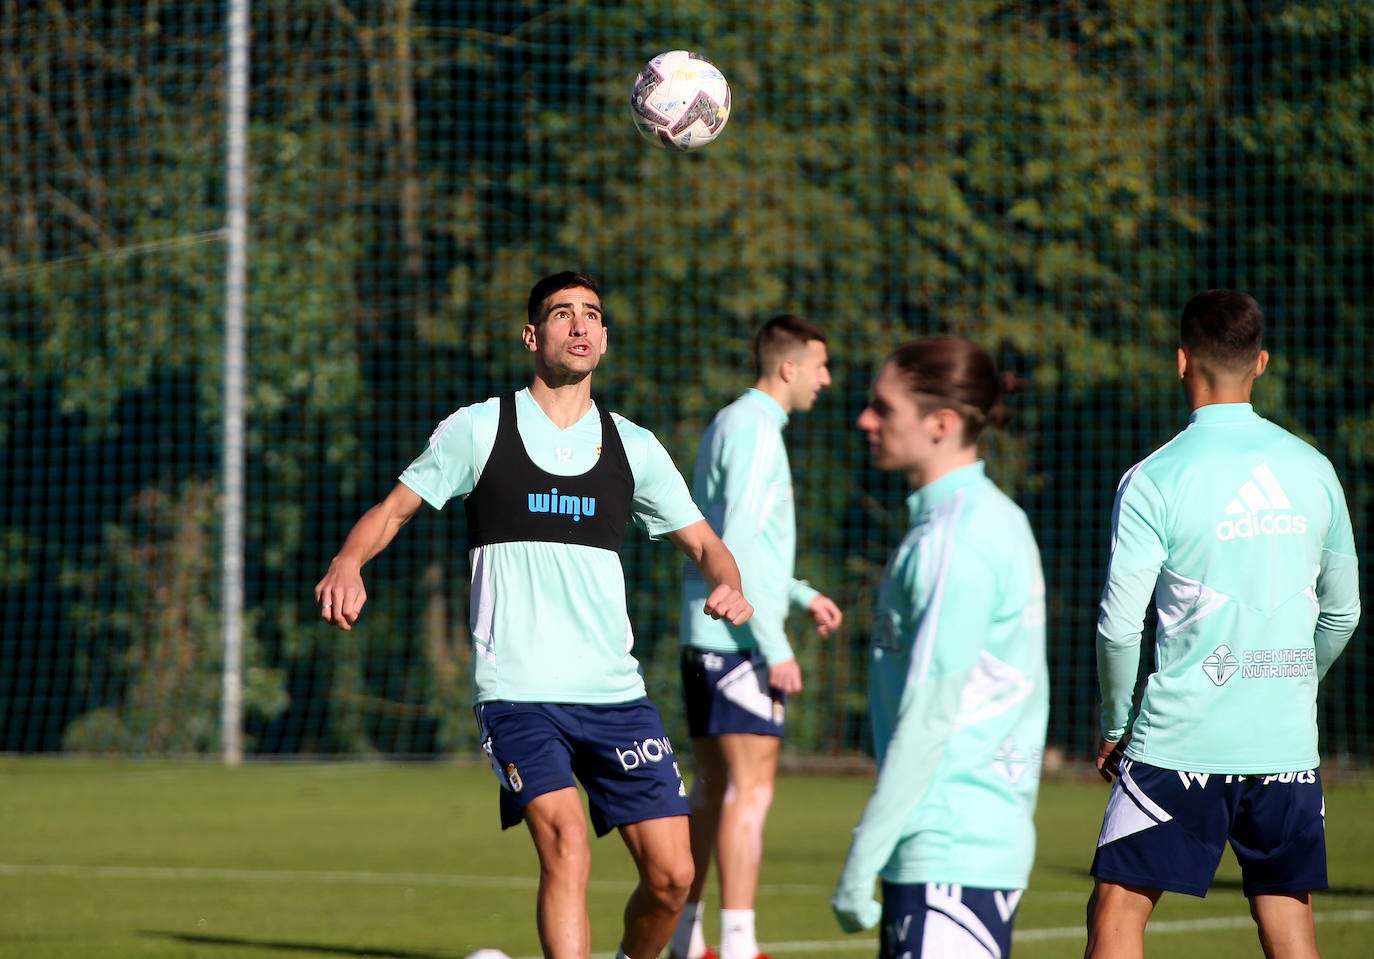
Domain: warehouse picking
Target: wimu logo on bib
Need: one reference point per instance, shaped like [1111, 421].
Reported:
[562, 504]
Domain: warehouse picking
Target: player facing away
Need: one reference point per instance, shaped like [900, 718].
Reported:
[549, 480]
[735, 679]
[1239, 533]
[958, 681]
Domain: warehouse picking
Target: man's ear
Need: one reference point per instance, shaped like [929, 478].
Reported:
[947, 423]
[1262, 362]
[1182, 362]
[787, 370]
[527, 337]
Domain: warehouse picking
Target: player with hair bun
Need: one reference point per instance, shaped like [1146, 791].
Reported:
[958, 682]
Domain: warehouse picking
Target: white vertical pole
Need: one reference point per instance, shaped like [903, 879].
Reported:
[235, 380]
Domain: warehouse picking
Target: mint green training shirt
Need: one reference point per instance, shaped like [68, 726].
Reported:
[742, 483]
[959, 696]
[1240, 534]
[548, 620]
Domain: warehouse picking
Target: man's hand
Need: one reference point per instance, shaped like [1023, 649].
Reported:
[341, 595]
[1109, 758]
[855, 909]
[825, 614]
[729, 604]
[785, 677]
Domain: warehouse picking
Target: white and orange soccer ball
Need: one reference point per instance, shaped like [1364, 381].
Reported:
[680, 101]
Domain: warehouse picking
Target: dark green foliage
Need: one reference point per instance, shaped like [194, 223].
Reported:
[1051, 178]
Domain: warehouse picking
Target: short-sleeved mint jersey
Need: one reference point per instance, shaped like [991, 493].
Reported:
[548, 620]
[959, 695]
[1240, 533]
[743, 484]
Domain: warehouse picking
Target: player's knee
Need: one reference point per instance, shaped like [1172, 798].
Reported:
[669, 882]
[756, 796]
[564, 848]
[761, 796]
[679, 880]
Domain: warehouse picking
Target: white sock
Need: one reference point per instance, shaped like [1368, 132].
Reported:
[688, 940]
[737, 934]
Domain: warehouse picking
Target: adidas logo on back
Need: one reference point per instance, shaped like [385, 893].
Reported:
[1261, 508]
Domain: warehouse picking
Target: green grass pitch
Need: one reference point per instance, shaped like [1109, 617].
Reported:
[167, 860]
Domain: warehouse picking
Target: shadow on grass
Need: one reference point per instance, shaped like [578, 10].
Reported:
[372, 952]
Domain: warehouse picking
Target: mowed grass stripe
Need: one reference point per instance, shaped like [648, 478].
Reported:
[362, 877]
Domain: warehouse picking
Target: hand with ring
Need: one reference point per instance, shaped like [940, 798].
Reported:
[340, 596]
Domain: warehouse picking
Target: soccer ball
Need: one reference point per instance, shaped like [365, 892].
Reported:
[488, 954]
[680, 101]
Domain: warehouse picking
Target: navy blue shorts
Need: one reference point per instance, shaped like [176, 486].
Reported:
[942, 921]
[729, 693]
[620, 754]
[1167, 830]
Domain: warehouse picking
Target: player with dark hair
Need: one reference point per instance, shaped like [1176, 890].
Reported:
[1239, 534]
[958, 682]
[549, 480]
[736, 678]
